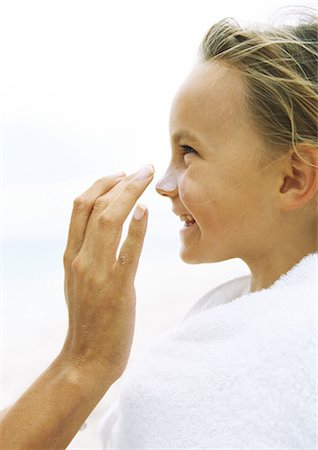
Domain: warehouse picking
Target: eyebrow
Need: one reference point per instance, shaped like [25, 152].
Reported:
[183, 133]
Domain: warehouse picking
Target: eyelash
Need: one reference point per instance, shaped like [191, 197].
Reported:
[186, 150]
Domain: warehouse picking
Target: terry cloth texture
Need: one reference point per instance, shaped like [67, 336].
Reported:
[238, 372]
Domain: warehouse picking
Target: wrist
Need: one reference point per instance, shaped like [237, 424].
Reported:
[84, 371]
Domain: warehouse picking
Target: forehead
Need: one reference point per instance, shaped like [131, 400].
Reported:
[211, 98]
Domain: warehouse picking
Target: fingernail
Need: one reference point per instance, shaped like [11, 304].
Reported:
[145, 172]
[139, 212]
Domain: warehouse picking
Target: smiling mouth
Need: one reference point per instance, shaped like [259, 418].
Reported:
[187, 219]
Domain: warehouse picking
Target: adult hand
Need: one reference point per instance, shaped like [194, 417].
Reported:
[99, 290]
[99, 284]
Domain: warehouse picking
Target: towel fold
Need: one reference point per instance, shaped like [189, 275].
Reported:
[238, 372]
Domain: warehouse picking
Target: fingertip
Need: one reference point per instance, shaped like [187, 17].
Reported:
[140, 211]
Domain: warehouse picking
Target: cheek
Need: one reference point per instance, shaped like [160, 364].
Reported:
[195, 193]
[185, 190]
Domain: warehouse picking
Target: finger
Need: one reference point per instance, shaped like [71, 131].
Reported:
[104, 200]
[81, 211]
[99, 205]
[129, 255]
[107, 226]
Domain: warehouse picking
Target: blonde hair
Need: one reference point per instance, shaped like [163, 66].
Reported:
[279, 65]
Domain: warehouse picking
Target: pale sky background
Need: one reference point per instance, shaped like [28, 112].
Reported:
[85, 91]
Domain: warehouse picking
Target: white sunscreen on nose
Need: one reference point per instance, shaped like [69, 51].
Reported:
[167, 183]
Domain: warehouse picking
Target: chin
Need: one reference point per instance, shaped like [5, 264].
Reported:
[193, 257]
[189, 257]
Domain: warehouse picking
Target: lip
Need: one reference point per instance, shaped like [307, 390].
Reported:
[186, 231]
[180, 213]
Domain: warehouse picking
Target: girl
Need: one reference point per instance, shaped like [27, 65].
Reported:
[238, 371]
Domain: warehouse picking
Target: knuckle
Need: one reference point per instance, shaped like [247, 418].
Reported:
[136, 233]
[106, 219]
[93, 281]
[78, 266]
[100, 203]
[80, 202]
[67, 259]
[136, 238]
[132, 189]
[124, 259]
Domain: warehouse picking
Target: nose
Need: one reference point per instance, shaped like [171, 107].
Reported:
[167, 185]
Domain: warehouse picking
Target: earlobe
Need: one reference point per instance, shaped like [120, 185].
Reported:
[300, 180]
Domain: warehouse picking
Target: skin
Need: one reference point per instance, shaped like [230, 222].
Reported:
[100, 295]
[246, 205]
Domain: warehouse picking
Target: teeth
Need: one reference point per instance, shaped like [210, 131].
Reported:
[187, 218]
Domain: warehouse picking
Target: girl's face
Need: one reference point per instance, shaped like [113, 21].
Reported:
[218, 173]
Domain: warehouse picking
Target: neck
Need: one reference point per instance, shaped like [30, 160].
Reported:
[276, 261]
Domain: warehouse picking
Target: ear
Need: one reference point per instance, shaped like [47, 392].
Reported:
[299, 183]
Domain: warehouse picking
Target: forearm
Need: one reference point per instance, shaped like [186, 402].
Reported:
[52, 410]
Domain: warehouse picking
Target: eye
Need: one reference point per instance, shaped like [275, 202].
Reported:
[186, 150]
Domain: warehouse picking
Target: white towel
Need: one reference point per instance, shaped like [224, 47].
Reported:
[239, 372]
